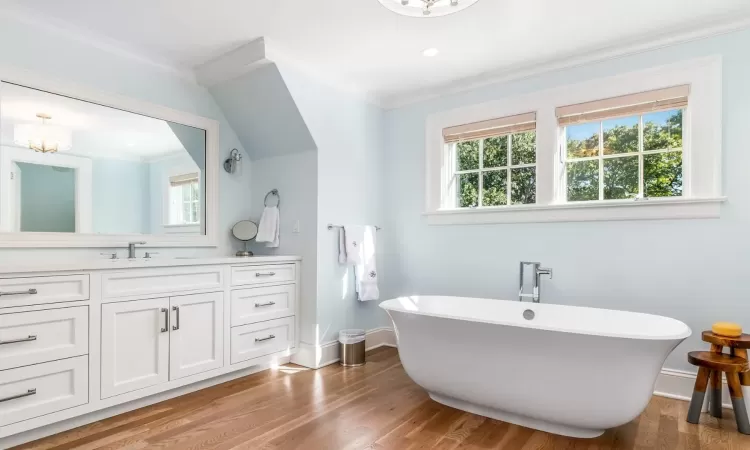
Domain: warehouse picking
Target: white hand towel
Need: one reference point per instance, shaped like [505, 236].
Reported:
[354, 235]
[268, 228]
[359, 244]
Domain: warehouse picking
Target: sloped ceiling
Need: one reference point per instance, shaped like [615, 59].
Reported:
[261, 110]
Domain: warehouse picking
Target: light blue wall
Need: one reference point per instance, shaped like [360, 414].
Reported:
[693, 270]
[296, 177]
[260, 106]
[53, 54]
[261, 109]
[48, 198]
[348, 134]
[120, 196]
[193, 140]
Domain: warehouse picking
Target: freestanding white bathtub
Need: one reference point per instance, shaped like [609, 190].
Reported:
[570, 370]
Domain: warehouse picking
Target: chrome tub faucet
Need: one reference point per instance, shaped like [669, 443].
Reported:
[537, 273]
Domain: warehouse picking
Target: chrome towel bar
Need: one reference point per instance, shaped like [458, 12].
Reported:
[332, 226]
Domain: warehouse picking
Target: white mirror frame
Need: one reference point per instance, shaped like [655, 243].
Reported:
[211, 175]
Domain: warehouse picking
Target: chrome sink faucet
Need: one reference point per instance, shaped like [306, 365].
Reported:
[536, 292]
[131, 248]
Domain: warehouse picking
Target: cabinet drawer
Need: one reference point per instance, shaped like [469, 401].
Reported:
[42, 290]
[41, 389]
[41, 336]
[279, 273]
[260, 339]
[262, 303]
[160, 280]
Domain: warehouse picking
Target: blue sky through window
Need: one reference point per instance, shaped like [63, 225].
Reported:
[623, 121]
[660, 118]
[583, 131]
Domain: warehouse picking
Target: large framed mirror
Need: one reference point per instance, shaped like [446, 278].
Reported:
[88, 169]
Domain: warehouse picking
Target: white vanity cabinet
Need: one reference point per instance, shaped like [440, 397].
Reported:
[148, 342]
[134, 345]
[196, 337]
[86, 340]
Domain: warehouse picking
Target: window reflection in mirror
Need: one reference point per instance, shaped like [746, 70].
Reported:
[68, 165]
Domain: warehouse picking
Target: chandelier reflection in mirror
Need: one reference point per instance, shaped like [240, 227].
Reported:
[427, 8]
[43, 137]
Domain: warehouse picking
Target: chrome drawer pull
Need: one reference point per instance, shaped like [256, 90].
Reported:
[258, 305]
[177, 310]
[13, 397]
[15, 341]
[270, 336]
[165, 328]
[269, 274]
[29, 292]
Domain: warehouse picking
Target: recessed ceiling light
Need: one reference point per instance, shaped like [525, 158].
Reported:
[431, 52]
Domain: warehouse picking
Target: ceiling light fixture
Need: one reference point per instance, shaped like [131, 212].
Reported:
[431, 52]
[43, 137]
[427, 8]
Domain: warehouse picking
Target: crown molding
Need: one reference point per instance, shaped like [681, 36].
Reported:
[260, 52]
[567, 62]
[233, 64]
[98, 41]
[284, 59]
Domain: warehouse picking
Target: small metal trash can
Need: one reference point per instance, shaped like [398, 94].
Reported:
[352, 347]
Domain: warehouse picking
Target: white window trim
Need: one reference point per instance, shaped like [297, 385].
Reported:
[702, 123]
[165, 195]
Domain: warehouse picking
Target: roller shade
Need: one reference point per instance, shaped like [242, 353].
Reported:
[490, 128]
[179, 180]
[626, 105]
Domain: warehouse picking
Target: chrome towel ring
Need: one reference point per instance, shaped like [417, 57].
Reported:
[272, 192]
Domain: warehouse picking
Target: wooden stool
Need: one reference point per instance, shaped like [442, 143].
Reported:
[708, 362]
[737, 347]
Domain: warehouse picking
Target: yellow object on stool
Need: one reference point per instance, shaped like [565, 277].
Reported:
[727, 329]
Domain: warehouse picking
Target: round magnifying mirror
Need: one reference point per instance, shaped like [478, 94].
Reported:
[245, 230]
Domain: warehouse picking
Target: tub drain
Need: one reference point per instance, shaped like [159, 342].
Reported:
[528, 314]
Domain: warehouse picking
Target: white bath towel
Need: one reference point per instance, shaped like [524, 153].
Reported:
[350, 244]
[268, 228]
[358, 243]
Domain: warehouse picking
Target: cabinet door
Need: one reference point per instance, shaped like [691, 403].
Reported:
[135, 345]
[196, 337]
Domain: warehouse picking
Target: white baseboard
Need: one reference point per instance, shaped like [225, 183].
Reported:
[327, 353]
[679, 384]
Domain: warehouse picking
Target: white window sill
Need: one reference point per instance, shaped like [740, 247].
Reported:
[180, 225]
[192, 228]
[651, 209]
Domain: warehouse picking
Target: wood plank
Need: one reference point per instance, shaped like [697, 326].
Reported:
[374, 407]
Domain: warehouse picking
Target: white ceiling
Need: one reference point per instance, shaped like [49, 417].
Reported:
[98, 131]
[361, 44]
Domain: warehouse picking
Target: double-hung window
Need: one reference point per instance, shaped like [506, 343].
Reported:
[494, 161]
[640, 145]
[184, 199]
[628, 147]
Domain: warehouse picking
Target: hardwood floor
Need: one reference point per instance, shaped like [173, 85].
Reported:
[372, 407]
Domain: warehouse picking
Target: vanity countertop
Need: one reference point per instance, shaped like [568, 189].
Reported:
[109, 264]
